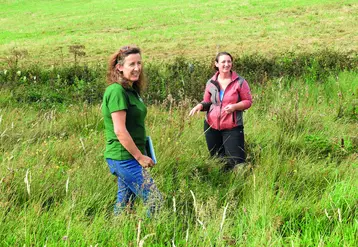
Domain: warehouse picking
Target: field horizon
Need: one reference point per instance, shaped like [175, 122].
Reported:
[193, 29]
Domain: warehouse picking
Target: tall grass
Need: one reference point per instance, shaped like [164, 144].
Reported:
[299, 187]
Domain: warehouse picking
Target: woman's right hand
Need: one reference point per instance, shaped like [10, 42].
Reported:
[196, 109]
[145, 161]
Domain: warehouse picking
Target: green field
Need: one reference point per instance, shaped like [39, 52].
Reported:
[299, 186]
[164, 29]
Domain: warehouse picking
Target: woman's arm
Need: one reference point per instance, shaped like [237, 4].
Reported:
[119, 124]
[245, 102]
[204, 105]
[245, 96]
[196, 109]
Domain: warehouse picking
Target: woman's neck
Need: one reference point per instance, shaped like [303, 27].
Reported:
[128, 82]
[225, 76]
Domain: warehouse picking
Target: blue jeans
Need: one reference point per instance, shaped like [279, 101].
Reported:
[134, 181]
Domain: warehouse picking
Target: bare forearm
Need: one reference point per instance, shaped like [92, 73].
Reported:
[126, 140]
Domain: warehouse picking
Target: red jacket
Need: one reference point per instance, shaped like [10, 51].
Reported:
[238, 90]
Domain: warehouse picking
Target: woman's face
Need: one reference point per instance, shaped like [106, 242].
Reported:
[131, 67]
[224, 64]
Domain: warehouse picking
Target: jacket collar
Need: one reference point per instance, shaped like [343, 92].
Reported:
[234, 76]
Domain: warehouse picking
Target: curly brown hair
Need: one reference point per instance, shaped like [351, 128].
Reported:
[115, 76]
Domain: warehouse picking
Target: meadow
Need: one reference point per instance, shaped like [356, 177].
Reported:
[299, 185]
[164, 29]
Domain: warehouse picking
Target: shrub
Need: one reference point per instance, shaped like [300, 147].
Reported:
[182, 79]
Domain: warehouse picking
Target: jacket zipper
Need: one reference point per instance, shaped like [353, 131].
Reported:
[218, 87]
[219, 115]
[221, 102]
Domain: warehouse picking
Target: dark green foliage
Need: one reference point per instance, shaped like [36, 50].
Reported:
[182, 79]
[47, 87]
[174, 81]
[323, 147]
[320, 145]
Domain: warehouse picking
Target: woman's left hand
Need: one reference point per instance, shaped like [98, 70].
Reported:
[229, 108]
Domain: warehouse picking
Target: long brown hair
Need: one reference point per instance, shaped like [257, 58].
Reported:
[115, 76]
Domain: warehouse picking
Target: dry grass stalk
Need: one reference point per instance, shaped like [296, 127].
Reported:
[141, 242]
[138, 232]
[195, 207]
[83, 145]
[67, 182]
[223, 219]
[27, 182]
[326, 213]
[339, 215]
[174, 205]
[201, 223]
[187, 235]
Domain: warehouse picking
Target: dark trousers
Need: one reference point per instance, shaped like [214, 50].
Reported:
[227, 144]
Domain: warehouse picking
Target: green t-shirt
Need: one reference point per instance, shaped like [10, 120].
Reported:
[117, 98]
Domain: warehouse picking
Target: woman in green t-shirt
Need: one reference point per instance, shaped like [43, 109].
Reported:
[124, 115]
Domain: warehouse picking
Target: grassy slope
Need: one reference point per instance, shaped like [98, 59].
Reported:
[301, 191]
[164, 28]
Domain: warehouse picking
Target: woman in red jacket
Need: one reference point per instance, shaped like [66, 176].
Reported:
[226, 96]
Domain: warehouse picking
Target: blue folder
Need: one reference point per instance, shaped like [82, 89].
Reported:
[149, 148]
